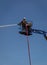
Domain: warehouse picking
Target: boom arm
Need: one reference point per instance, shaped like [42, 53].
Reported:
[40, 32]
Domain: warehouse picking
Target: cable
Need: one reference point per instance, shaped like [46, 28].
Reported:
[2, 26]
[28, 45]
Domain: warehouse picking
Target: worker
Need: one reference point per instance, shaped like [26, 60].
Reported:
[24, 23]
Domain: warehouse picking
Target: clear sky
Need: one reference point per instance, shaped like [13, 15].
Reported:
[13, 46]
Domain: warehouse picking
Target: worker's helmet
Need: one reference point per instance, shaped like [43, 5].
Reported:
[24, 18]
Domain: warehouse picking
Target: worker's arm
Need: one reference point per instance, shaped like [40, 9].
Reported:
[20, 23]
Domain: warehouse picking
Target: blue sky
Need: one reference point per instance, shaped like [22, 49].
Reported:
[13, 46]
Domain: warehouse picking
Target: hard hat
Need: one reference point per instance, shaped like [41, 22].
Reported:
[24, 18]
